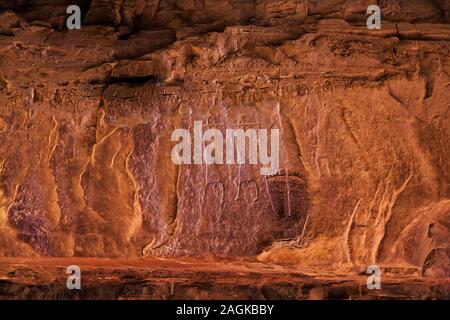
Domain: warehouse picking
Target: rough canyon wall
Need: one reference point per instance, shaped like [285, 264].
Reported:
[86, 118]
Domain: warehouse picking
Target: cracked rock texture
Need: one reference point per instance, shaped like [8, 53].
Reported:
[86, 118]
[212, 279]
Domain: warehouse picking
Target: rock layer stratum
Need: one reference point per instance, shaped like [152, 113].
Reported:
[86, 118]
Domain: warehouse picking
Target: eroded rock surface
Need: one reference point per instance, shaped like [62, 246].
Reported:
[194, 278]
[86, 118]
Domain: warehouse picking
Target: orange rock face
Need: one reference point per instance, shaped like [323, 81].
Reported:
[86, 118]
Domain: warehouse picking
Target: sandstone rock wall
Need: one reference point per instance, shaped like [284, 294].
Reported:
[86, 118]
